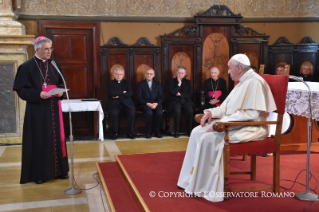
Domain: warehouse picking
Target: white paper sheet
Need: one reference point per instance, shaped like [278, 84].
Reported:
[55, 91]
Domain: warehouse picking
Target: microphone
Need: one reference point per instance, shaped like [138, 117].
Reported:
[66, 90]
[71, 190]
[307, 195]
[56, 67]
[300, 79]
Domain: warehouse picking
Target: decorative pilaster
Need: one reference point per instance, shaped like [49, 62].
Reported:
[13, 52]
[7, 25]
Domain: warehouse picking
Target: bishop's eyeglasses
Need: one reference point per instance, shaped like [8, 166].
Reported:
[48, 49]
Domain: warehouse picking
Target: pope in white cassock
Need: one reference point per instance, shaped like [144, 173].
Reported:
[251, 99]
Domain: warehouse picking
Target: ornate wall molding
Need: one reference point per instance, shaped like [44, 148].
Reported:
[282, 41]
[188, 30]
[246, 30]
[305, 41]
[143, 41]
[163, 8]
[308, 41]
[115, 41]
[219, 10]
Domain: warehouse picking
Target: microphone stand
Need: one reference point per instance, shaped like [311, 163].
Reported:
[71, 190]
[307, 196]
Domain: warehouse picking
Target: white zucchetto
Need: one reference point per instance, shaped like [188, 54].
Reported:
[242, 58]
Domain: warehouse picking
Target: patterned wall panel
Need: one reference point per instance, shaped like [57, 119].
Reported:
[8, 111]
[215, 53]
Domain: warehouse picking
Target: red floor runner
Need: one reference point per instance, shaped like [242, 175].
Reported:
[120, 194]
[157, 173]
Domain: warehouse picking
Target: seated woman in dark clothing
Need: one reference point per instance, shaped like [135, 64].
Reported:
[306, 71]
[215, 89]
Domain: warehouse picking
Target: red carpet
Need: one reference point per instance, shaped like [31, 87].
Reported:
[158, 172]
[121, 199]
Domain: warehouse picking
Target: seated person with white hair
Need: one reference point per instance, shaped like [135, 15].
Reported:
[251, 99]
[215, 90]
[120, 101]
[307, 72]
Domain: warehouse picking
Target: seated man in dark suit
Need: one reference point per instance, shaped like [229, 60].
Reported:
[119, 100]
[180, 97]
[150, 98]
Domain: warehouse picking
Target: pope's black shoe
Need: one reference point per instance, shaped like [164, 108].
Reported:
[39, 181]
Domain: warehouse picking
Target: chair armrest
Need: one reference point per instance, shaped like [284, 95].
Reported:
[221, 126]
[198, 117]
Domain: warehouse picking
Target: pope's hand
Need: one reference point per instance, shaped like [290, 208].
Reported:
[210, 129]
[208, 117]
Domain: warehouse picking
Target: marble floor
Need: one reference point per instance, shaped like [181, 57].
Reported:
[50, 196]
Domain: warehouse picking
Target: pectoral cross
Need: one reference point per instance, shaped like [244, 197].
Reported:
[45, 84]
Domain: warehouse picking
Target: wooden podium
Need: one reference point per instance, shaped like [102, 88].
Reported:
[296, 137]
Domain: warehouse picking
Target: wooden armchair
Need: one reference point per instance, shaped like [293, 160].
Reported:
[278, 85]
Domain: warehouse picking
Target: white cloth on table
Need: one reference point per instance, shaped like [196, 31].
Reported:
[297, 101]
[77, 105]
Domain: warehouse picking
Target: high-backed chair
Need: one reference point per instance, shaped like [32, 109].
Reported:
[278, 85]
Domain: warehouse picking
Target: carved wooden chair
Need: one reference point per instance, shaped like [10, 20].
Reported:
[278, 85]
[287, 70]
[261, 69]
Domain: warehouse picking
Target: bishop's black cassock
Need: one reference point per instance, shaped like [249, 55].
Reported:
[44, 152]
